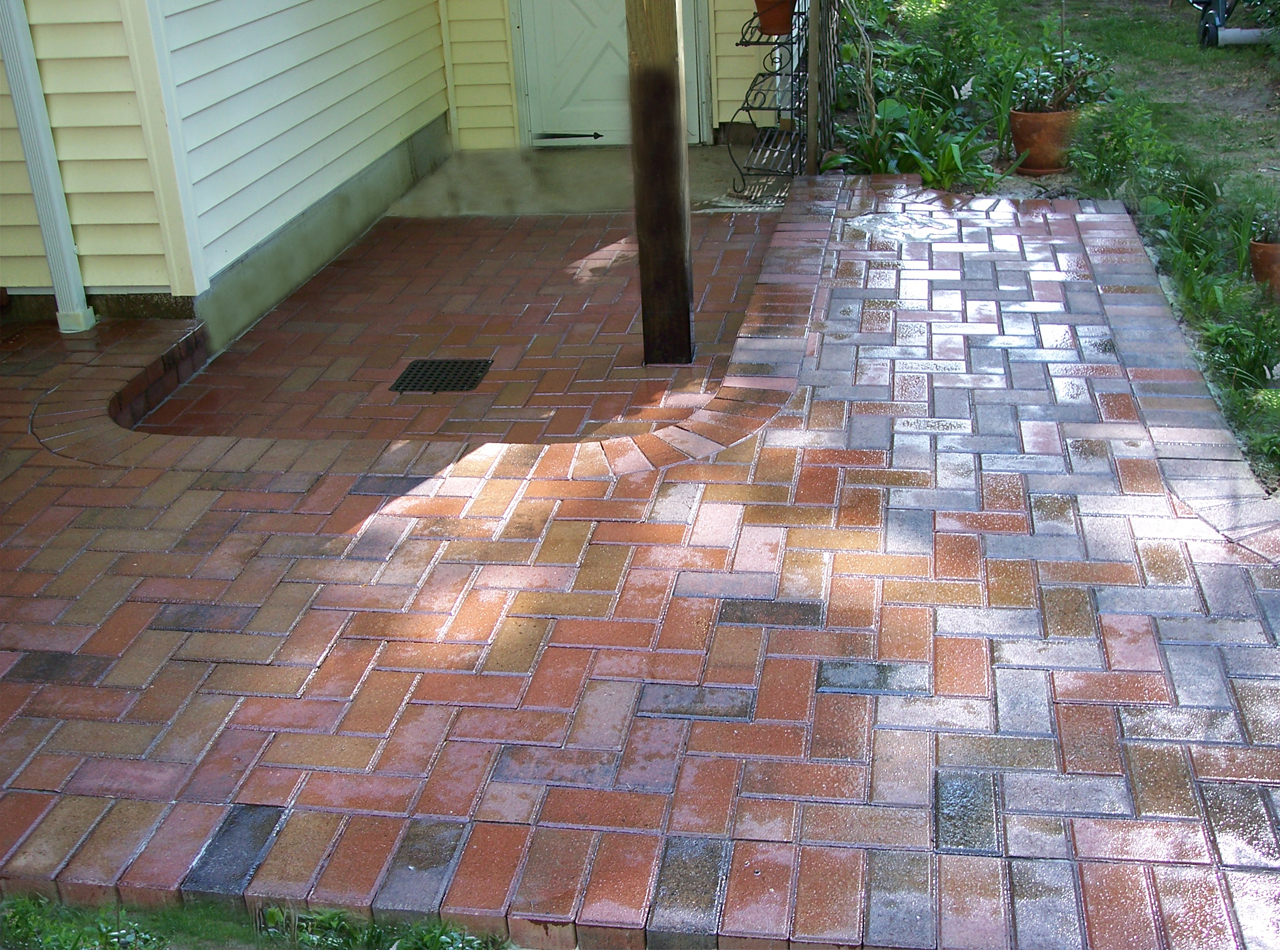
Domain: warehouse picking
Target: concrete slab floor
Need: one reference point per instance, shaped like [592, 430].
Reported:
[554, 181]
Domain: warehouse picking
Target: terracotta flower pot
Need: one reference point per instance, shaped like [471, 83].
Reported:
[775, 16]
[1046, 135]
[1265, 259]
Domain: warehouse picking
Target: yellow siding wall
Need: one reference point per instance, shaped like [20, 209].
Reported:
[483, 76]
[732, 67]
[281, 101]
[89, 90]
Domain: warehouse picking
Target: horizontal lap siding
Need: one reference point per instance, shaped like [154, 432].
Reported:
[93, 109]
[281, 101]
[734, 66]
[480, 39]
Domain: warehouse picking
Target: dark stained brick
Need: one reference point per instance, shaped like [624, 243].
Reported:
[771, 613]
[696, 702]
[237, 848]
[49, 667]
[965, 806]
[421, 870]
[686, 906]
[202, 617]
[865, 676]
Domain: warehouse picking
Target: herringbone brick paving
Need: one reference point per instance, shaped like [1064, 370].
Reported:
[552, 301]
[948, 620]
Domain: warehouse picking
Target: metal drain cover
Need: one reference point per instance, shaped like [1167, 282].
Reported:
[441, 376]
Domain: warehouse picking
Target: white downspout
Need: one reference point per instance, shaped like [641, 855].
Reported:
[74, 312]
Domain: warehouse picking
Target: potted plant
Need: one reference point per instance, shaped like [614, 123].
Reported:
[775, 16]
[1046, 99]
[1264, 248]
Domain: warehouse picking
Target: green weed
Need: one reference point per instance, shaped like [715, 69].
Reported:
[37, 924]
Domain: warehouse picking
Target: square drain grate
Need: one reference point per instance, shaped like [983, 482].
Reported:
[441, 376]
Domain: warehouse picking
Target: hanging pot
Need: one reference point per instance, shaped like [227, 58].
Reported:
[1046, 136]
[1265, 259]
[775, 16]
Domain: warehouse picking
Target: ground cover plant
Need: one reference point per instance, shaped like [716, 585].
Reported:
[1188, 139]
[37, 924]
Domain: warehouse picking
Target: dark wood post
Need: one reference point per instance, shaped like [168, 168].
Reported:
[813, 94]
[660, 159]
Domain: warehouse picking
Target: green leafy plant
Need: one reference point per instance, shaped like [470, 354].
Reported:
[916, 140]
[334, 930]
[32, 923]
[1062, 79]
[943, 157]
[1265, 225]
[999, 86]
[1267, 13]
[37, 924]
[1244, 350]
[872, 148]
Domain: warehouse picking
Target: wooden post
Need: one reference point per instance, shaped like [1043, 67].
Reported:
[660, 159]
[813, 95]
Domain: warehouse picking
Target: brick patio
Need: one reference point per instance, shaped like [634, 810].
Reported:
[934, 607]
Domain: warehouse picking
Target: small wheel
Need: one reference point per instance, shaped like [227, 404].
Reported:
[1208, 29]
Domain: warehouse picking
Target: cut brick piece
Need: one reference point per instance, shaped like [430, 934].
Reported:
[616, 901]
[422, 868]
[1117, 907]
[481, 889]
[900, 906]
[971, 903]
[1241, 828]
[704, 796]
[294, 861]
[227, 865]
[687, 902]
[1090, 739]
[965, 806]
[829, 896]
[757, 897]
[840, 726]
[152, 880]
[961, 666]
[19, 813]
[90, 877]
[542, 910]
[1162, 784]
[1044, 905]
[1193, 909]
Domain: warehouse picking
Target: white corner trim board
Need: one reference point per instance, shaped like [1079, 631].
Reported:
[74, 312]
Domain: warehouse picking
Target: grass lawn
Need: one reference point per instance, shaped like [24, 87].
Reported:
[27, 924]
[1222, 105]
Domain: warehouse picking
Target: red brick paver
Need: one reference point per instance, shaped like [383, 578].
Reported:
[552, 301]
[934, 607]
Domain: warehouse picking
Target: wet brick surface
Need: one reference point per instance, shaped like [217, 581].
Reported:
[934, 606]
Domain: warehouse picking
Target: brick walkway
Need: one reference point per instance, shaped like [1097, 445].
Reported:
[553, 302]
[948, 620]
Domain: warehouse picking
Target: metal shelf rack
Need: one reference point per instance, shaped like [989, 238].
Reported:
[775, 104]
[774, 107]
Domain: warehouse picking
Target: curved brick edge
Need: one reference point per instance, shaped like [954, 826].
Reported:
[89, 416]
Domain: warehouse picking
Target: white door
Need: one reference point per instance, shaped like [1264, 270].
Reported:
[575, 64]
